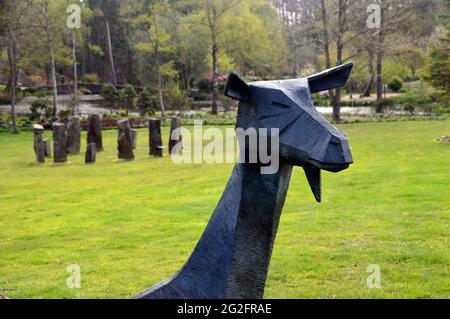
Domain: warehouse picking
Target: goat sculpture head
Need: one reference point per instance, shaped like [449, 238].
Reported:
[306, 138]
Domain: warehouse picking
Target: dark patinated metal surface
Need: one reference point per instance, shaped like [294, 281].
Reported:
[232, 258]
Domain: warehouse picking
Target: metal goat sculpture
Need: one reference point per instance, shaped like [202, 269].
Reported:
[232, 258]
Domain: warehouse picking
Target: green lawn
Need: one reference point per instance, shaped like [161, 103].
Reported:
[129, 225]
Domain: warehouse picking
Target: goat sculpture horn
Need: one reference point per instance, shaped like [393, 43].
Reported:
[330, 79]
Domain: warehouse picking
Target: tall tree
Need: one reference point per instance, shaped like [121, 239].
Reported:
[438, 68]
[110, 52]
[393, 14]
[340, 28]
[50, 19]
[211, 14]
[150, 18]
[11, 27]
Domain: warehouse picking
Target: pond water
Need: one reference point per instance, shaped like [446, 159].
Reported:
[93, 104]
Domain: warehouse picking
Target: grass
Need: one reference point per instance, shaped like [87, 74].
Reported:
[129, 225]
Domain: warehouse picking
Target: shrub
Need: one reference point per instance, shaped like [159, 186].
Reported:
[395, 85]
[438, 69]
[175, 98]
[4, 98]
[42, 92]
[386, 103]
[42, 106]
[64, 115]
[147, 102]
[204, 85]
[129, 95]
[412, 99]
[111, 96]
[409, 108]
[91, 78]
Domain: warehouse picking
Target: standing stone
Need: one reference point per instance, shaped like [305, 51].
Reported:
[48, 148]
[174, 140]
[91, 153]
[59, 143]
[94, 134]
[156, 145]
[39, 146]
[73, 135]
[134, 134]
[125, 146]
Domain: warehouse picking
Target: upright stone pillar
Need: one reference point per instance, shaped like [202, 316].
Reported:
[59, 143]
[134, 135]
[48, 148]
[39, 145]
[124, 142]
[156, 145]
[91, 154]
[73, 135]
[94, 134]
[174, 140]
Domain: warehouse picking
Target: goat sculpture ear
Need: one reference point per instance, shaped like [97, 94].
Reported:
[236, 88]
[330, 79]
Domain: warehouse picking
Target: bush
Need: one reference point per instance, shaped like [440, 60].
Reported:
[4, 98]
[412, 99]
[386, 103]
[111, 96]
[409, 108]
[321, 100]
[64, 115]
[147, 102]
[129, 95]
[42, 106]
[395, 85]
[204, 86]
[175, 98]
[91, 78]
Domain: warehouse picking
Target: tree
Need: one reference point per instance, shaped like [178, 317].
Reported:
[438, 68]
[210, 14]
[11, 25]
[393, 14]
[414, 58]
[74, 23]
[50, 20]
[150, 18]
[246, 22]
[341, 27]
[191, 51]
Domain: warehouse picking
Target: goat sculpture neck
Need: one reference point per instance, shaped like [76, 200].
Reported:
[232, 257]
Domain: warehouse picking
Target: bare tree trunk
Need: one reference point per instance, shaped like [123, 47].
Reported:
[110, 54]
[326, 42]
[75, 72]
[160, 89]
[371, 70]
[53, 75]
[340, 50]
[215, 88]
[13, 78]
[380, 43]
